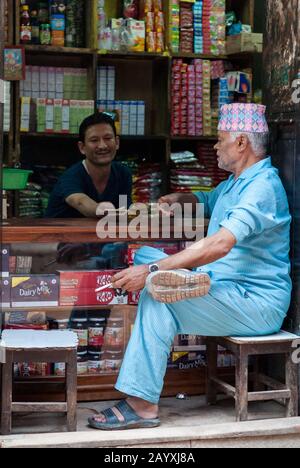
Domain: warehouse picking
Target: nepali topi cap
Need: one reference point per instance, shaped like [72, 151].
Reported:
[249, 118]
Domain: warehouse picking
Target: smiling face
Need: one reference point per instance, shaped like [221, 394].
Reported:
[100, 145]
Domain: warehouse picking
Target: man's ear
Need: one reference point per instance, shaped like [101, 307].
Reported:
[81, 147]
[117, 142]
[243, 142]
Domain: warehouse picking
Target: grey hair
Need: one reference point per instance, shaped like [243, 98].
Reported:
[258, 141]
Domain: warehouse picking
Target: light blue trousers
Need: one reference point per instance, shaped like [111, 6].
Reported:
[225, 311]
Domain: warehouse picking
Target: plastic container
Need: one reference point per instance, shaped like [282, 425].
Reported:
[15, 179]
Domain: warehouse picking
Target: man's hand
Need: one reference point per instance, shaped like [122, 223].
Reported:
[164, 203]
[105, 207]
[132, 279]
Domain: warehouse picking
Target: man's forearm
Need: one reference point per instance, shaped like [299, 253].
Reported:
[200, 253]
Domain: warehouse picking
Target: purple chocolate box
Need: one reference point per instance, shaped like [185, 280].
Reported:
[34, 291]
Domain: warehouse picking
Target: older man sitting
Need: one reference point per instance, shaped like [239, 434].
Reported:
[241, 285]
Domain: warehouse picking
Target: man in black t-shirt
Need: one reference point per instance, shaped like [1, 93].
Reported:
[98, 179]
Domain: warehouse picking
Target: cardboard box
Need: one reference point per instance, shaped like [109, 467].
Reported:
[244, 43]
[34, 291]
[5, 292]
[88, 297]
[85, 279]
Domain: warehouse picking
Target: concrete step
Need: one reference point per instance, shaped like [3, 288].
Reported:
[281, 433]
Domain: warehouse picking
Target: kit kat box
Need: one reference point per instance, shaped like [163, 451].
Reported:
[34, 291]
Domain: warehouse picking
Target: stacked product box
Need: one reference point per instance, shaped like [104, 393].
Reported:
[153, 16]
[106, 83]
[174, 31]
[6, 113]
[207, 123]
[188, 174]
[55, 83]
[54, 115]
[198, 29]
[78, 288]
[169, 248]
[186, 28]
[130, 115]
[214, 29]
[34, 291]
[187, 98]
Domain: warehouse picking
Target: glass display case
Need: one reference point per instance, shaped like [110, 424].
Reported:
[51, 273]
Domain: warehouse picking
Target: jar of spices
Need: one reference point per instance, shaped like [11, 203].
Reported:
[61, 324]
[45, 34]
[82, 363]
[114, 335]
[96, 363]
[113, 360]
[96, 330]
[79, 325]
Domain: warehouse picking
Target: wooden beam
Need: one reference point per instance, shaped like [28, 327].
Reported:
[39, 407]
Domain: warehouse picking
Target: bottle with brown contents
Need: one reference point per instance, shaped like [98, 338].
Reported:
[25, 26]
[96, 330]
[114, 335]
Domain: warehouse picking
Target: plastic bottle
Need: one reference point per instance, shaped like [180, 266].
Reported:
[35, 27]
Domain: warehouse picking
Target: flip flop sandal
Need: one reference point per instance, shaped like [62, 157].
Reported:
[131, 419]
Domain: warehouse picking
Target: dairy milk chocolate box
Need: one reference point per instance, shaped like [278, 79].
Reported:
[34, 291]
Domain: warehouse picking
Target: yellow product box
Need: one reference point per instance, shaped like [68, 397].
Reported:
[138, 35]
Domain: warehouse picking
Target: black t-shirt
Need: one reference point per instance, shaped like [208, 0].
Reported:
[77, 180]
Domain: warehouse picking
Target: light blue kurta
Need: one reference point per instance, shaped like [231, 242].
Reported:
[251, 286]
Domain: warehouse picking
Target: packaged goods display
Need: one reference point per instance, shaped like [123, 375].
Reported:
[58, 24]
[7, 106]
[140, 27]
[198, 27]
[34, 291]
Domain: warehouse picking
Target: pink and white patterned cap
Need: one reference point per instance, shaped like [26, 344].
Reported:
[249, 118]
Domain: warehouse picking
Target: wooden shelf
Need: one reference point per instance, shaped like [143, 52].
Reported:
[194, 138]
[75, 136]
[58, 50]
[198, 56]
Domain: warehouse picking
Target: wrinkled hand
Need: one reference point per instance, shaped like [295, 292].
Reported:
[72, 253]
[132, 279]
[104, 207]
[166, 202]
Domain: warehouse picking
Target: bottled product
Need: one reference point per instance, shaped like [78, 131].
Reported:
[79, 325]
[45, 34]
[35, 27]
[82, 363]
[96, 329]
[113, 360]
[58, 30]
[96, 363]
[114, 335]
[25, 26]
[43, 13]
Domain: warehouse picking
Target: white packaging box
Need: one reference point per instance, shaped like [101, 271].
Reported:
[25, 114]
[102, 83]
[125, 118]
[27, 87]
[49, 115]
[111, 83]
[43, 82]
[65, 116]
[51, 82]
[133, 117]
[35, 80]
[141, 113]
[59, 83]
[6, 114]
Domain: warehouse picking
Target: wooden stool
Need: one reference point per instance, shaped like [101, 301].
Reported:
[242, 348]
[38, 346]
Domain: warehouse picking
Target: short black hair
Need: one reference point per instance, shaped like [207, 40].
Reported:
[96, 119]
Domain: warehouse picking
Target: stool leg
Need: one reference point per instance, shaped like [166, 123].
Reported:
[241, 386]
[212, 366]
[291, 379]
[71, 391]
[7, 378]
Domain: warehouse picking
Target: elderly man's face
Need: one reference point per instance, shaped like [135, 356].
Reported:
[228, 151]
